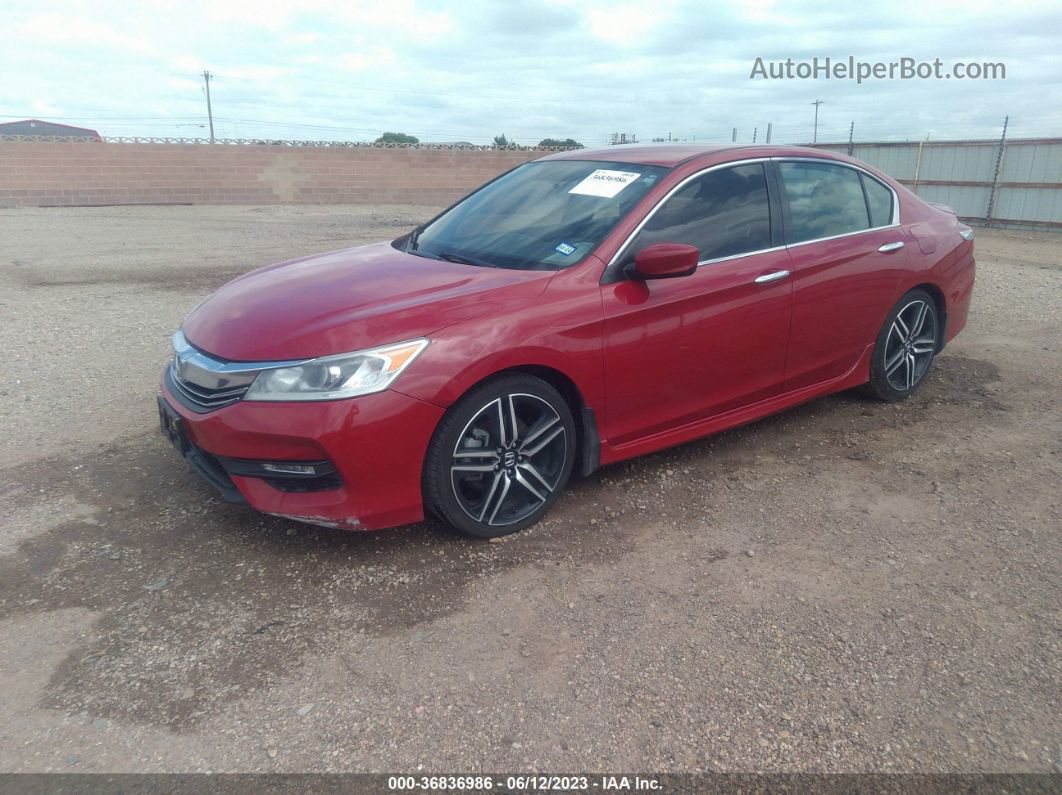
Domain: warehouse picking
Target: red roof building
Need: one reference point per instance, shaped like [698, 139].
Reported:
[38, 127]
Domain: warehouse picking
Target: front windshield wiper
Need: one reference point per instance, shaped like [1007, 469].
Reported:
[462, 259]
[411, 243]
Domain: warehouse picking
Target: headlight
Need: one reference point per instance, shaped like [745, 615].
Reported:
[333, 377]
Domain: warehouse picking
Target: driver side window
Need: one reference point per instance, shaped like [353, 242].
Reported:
[723, 213]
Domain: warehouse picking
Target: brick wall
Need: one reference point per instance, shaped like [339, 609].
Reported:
[78, 174]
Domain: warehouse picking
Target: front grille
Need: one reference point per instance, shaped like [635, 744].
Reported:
[200, 399]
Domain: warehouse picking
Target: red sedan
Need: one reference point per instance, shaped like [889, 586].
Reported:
[579, 310]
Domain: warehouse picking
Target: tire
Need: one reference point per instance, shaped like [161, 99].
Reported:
[905, 348]
[489, 479]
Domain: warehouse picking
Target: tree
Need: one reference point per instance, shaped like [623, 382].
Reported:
[396, 138]
[569, 142]
[501, 140]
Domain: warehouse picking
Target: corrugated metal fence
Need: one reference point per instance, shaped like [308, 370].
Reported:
[1011, 183]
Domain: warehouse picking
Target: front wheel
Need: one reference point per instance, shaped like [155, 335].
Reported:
[905, 348]
[500, 456]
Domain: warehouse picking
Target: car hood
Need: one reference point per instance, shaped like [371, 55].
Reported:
[349, 300]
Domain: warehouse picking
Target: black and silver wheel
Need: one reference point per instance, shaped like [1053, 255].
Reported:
[905, 348]
[500, 456]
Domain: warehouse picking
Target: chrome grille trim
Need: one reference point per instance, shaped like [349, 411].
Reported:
[201, 400]
[207, 394]
[204, 383]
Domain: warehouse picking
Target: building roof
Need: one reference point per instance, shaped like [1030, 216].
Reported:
[41, 127]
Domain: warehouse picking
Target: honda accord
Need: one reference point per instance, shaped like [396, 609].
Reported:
[578, 310]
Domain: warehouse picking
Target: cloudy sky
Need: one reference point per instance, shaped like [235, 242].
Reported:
[471, 70]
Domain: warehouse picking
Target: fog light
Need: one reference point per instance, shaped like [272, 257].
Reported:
[291, 469]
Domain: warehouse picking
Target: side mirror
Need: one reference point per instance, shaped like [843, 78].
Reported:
[664, 261]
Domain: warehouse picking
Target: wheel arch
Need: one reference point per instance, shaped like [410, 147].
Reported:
[939, 299]
[588, 442]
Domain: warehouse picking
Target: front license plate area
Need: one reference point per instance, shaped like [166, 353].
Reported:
[172, 427]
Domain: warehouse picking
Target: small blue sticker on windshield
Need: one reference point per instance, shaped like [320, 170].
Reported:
[565, 248]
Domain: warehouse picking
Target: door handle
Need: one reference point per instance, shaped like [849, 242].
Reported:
[767, 278]
[891, 247]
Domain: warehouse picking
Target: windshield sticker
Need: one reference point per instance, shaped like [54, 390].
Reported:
[565, 248]
[605, 183]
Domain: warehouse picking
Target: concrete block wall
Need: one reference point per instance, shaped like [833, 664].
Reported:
[81, 174]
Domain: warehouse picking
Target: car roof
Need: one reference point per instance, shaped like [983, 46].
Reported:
[671, 155]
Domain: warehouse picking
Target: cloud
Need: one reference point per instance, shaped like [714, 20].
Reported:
[528, 19]
[187, 63]
[61, 29]
[42, 107]
[183, 84]
[624, 25]
[257, 73]
[466, 70]
[374, 58]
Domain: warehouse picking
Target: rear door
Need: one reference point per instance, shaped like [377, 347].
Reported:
[679, 350]
[848, 253]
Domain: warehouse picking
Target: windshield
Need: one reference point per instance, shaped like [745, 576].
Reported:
[540, 216]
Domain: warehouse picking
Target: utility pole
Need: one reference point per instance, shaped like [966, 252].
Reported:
[769, 125]
[815, 134]
[210, 113]
[851, 133]
[754, 131]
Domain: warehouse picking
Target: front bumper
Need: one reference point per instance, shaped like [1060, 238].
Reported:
[376, 443]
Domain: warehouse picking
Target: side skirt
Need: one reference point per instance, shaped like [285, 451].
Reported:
[740, 416]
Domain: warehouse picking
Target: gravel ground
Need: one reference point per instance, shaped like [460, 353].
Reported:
[848, 586]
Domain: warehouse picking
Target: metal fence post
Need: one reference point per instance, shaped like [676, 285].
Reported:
[995, 176]
[918, 166]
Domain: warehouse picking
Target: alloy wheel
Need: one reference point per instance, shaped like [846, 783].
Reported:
[910, 346]
[508, 459]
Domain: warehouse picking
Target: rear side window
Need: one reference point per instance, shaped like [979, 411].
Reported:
[723, 213]
[824, 200]
[879, 201]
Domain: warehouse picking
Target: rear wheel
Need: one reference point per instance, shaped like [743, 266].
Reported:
[500, 456]
[905, 348]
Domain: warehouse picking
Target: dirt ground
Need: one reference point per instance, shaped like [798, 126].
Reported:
[848, 586]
